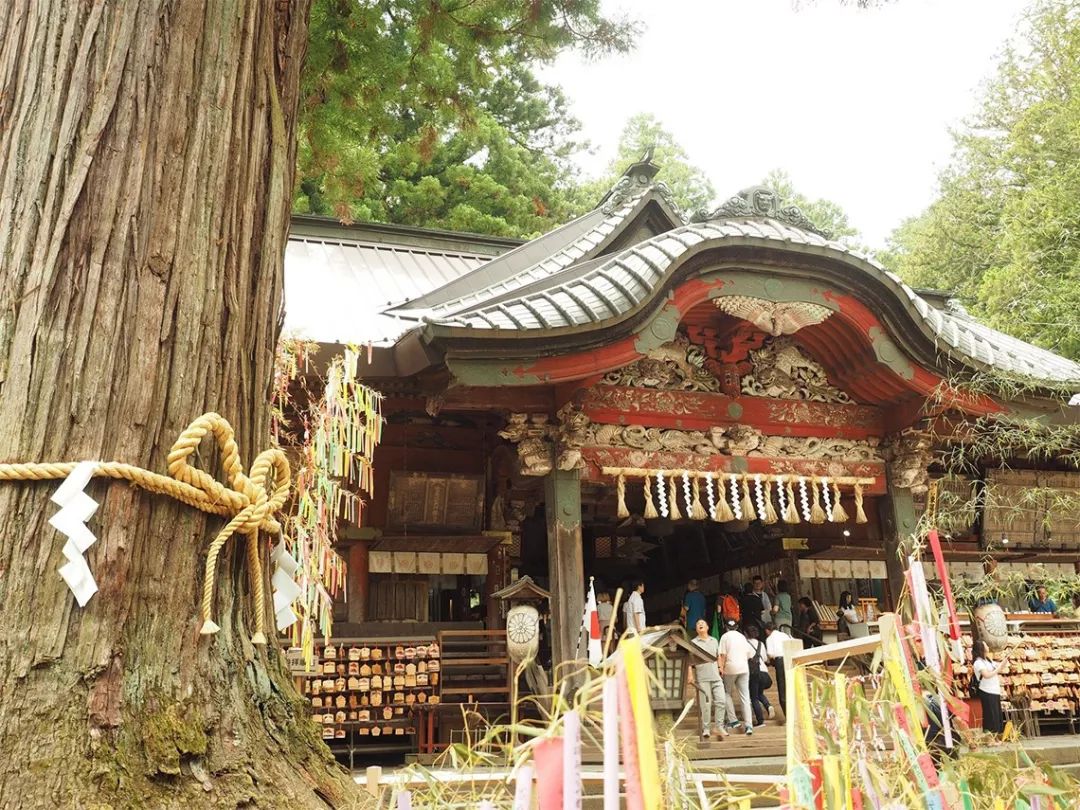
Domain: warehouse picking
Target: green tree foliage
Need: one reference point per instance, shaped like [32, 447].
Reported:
[689, 185]
[826, 214]
[1004, 233]
[428, 113]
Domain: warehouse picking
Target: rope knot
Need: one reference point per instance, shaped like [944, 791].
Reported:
[252, 500]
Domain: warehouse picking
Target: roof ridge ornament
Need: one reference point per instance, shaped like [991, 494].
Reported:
[762, 201]
[636, 181]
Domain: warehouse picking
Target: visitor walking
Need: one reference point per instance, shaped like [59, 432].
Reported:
[712, 702]
[727, 610]
[735, 666]
[782, 616]
[750, 606]
[759, 677]
[988, 675]
[809, 625]
[766, 601]
[774, 646]
[604, 610]
[693, 606]
[634, 610]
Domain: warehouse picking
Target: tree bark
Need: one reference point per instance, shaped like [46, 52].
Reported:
[146, 161]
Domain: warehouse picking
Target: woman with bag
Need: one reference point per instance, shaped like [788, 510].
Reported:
[759, 677]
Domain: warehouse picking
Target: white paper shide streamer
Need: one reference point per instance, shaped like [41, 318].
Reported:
[285, 588]
[76, 507]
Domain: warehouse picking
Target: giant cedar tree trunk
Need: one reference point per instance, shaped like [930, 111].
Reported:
[146, 159]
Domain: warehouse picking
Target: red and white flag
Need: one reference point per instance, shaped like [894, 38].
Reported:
[590, 626]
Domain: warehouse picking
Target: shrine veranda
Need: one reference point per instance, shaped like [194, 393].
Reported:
[639, 394]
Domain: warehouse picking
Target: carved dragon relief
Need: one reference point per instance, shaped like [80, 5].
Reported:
[543, 446]
[736, 440]
[675, 366]
[780, 370]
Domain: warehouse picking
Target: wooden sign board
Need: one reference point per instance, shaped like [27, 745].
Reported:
[294, 659]
[436, 501]
[796, 544]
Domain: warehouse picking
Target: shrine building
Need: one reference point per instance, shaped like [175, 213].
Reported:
[642, 394]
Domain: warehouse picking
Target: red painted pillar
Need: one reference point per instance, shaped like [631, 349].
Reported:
[358, 582]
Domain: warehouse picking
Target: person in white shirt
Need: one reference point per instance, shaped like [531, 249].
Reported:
[774, 646]
[988, 674]
[634, 609]
[735, 653]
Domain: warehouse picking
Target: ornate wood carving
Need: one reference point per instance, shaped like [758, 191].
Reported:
[908, 455]
[676, 366]
[761, 201]
[609, 403]
[780, 370]
[734, 440]
[772, 317]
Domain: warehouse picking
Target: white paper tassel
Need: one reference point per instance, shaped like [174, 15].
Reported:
[661, 494]
[285, 588]
[710, 494]
[76, 507]
[828, 498]
[804, 498]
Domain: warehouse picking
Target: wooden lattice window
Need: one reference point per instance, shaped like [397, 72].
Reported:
[667, 681]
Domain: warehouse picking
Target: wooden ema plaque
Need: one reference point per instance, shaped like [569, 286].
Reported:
[436, 501]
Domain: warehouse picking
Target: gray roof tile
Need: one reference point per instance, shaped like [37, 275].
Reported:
[607, 289]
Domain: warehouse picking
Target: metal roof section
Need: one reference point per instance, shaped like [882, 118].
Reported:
[612, 287]
[336, 289]
[536, 261]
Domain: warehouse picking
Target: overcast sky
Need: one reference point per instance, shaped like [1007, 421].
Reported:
[855, 105]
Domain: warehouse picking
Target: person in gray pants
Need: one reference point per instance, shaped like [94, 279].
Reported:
[735, 653]
[710, 686]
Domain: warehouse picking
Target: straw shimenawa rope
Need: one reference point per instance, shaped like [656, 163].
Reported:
[250, 501]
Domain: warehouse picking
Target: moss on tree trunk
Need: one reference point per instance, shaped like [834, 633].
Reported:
[146, 160]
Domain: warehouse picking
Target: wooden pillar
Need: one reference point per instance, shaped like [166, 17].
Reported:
[496, 580]
[898, 525]
[358, 582]
[566, 566]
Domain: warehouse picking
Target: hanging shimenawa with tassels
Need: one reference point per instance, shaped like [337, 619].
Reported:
[740, 496]
[334, 441]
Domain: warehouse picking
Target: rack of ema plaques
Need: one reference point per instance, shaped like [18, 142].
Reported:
[1041, 687]
[369, 695]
